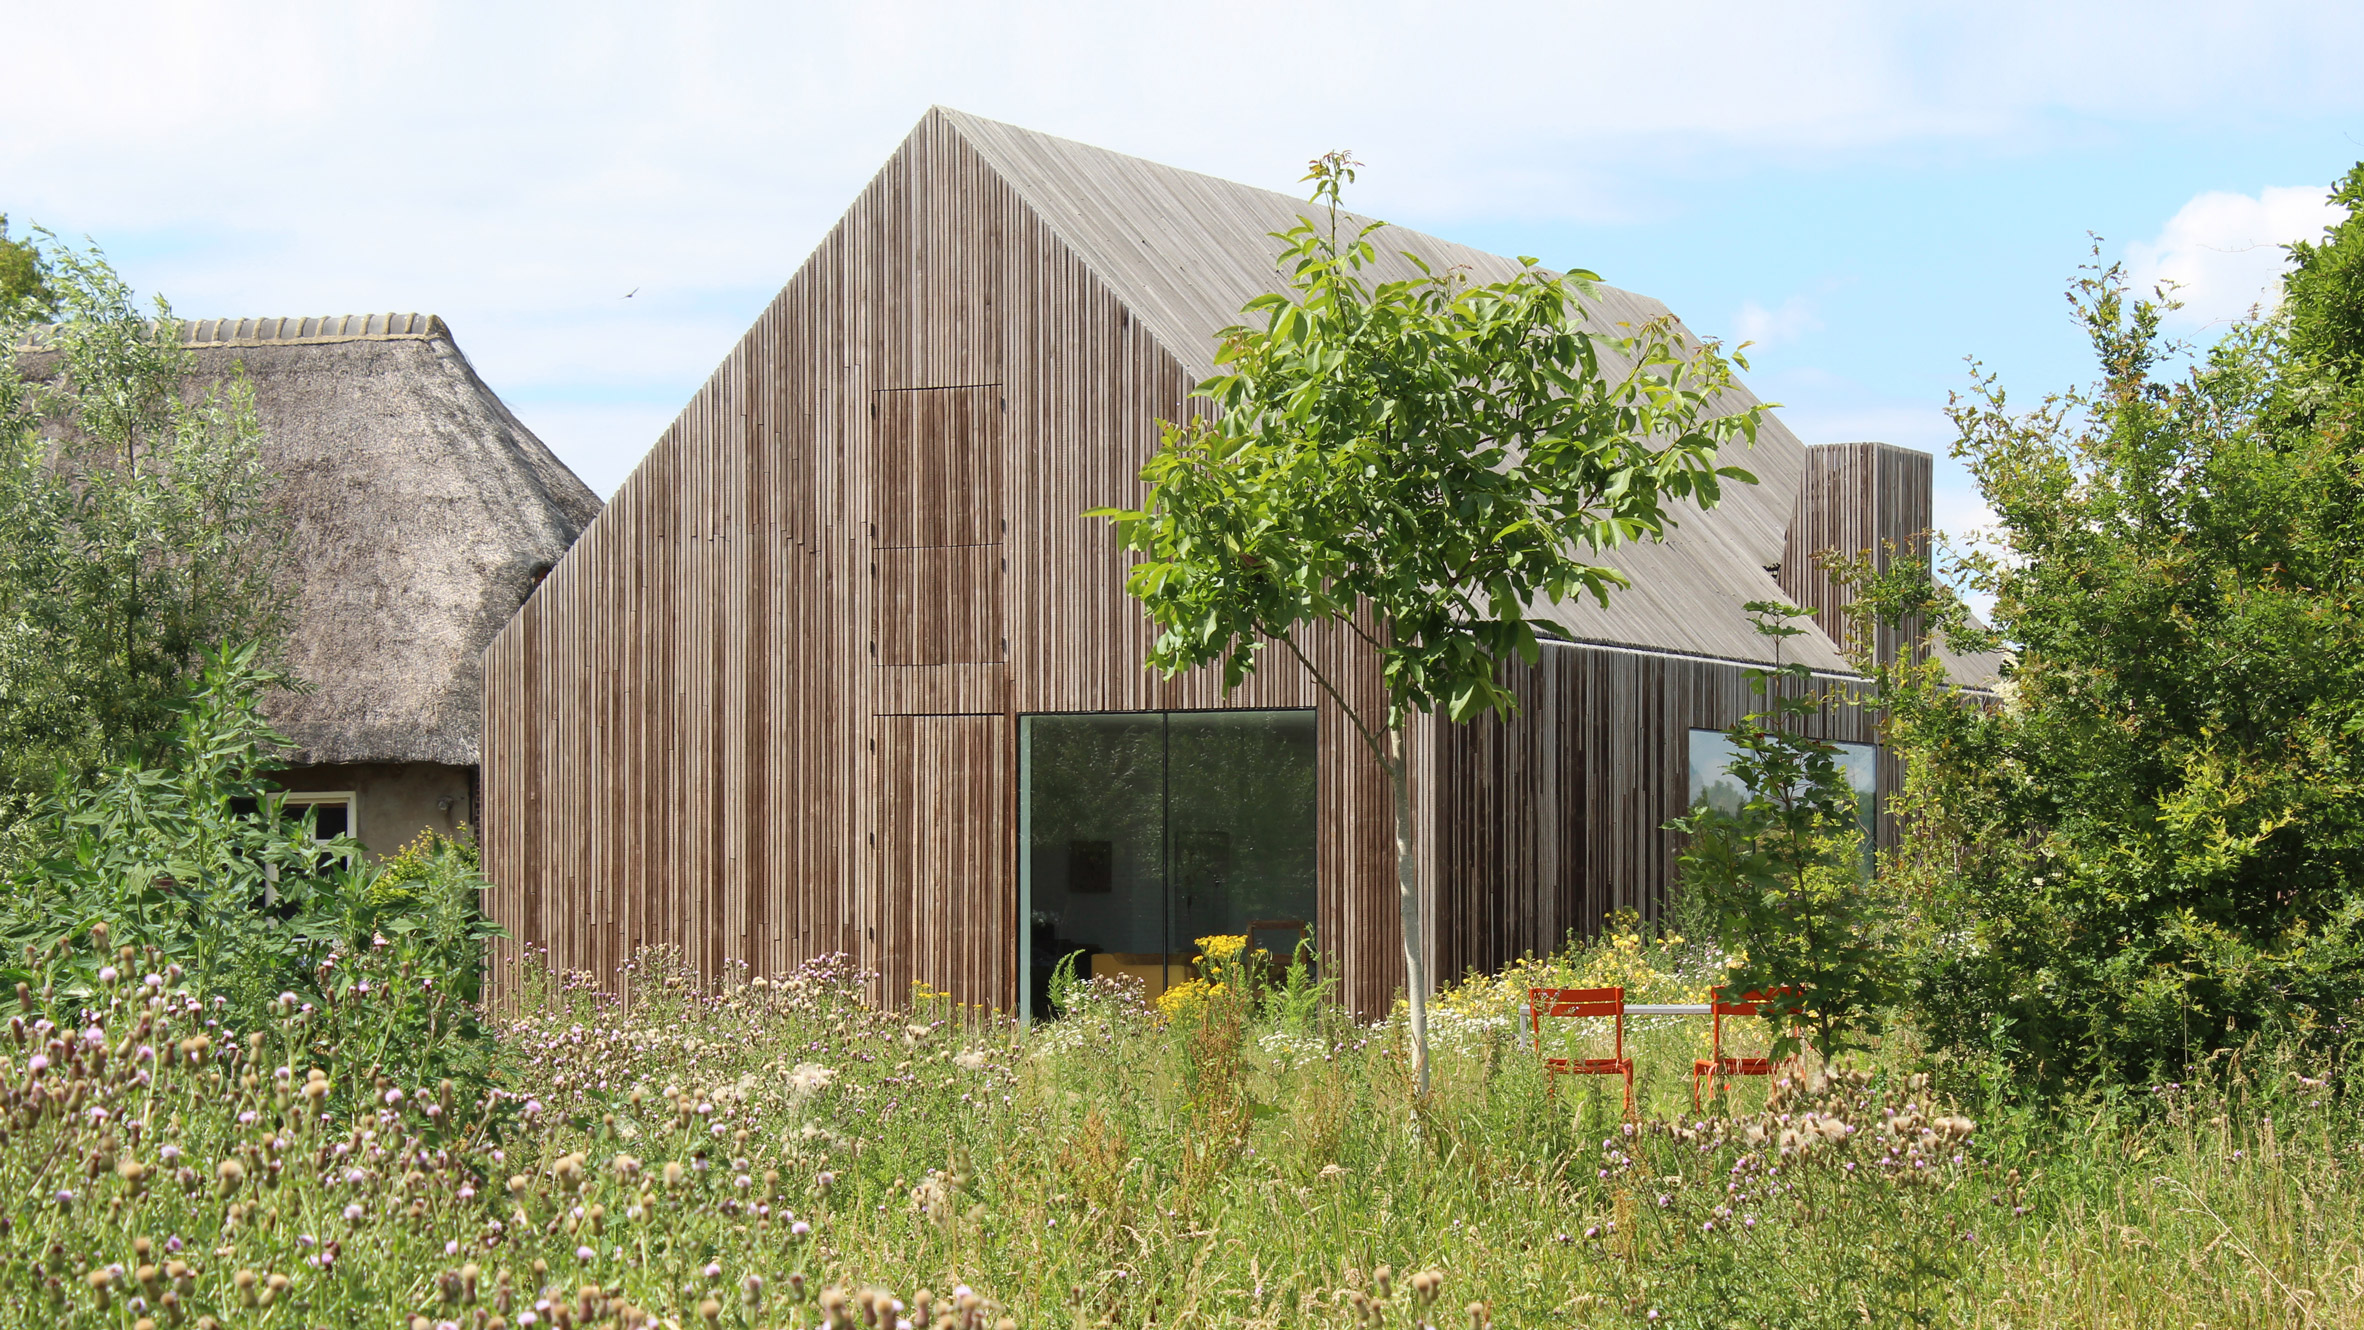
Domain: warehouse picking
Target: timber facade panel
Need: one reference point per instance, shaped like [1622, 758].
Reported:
[770, 705]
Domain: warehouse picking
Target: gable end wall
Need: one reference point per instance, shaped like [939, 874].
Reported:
[687, 742]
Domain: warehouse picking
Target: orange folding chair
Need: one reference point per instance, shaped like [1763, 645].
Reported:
[1581, 1002]
[1717, 1066]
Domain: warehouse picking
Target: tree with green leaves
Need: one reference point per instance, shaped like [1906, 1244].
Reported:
[1418, 462]
[2153, 846]
[24, 276]
[1781, 877]
[137, 527]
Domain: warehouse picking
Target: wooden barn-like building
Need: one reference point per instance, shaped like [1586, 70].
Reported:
[842, 668]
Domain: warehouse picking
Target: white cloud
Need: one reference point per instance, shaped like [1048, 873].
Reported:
[1787, 322]
[2223, 252]
[518, 167]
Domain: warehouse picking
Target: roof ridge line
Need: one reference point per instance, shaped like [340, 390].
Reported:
[313, 331]
[1099, 265]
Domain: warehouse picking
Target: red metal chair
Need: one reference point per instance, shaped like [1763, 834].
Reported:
[1717, 1066]
[1577, 1003]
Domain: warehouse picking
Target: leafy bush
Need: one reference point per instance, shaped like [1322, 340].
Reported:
[189, 867]
[22, 274]
[2152, 847]
[136, 527]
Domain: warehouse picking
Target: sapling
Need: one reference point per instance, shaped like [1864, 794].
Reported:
[1416, 466]
[1781, 878]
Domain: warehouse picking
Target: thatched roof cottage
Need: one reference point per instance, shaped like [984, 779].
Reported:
[423, 512]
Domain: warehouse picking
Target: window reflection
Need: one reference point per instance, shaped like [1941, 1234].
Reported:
[1145, 831]
[1713, 784]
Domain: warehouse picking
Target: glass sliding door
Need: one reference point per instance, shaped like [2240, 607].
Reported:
[1092, 859]
[1144, 831]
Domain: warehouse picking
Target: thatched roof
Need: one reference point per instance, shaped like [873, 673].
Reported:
[423, 514]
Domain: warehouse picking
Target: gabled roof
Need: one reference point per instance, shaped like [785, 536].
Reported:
[423, 514]
[1185, 251]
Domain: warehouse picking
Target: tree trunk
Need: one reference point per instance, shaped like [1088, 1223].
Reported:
[1407, 887]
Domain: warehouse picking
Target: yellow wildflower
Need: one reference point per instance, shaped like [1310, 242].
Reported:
[1222, 946]
[1186, 998]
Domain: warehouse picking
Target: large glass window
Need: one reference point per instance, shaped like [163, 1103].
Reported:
[1712, 782]
[1143, 831]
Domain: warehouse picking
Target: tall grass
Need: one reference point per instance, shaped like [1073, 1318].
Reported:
[768, 1153]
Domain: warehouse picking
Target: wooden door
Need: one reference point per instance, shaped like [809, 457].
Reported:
[945, 901]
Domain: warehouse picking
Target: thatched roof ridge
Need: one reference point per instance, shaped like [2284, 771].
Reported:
[330, 328]
[423, 511]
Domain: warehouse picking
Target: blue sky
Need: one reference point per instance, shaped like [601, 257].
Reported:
[1873, 192]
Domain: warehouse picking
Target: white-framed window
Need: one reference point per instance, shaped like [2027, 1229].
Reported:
[334, 812]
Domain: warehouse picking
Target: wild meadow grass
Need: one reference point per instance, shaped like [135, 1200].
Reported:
[778, 1152]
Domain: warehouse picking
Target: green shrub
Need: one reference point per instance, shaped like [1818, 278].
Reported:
[2151, 846]
[187, 866]
[137, 526]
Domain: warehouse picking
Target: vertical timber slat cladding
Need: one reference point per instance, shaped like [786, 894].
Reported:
[1857, 499]
[942, 788]
[938, 605]
[690, 743]
[1552, 820]
[767, 708]
[938, 460]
